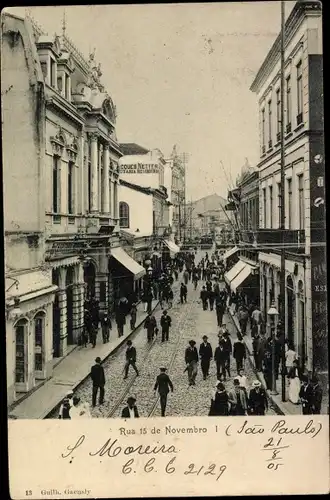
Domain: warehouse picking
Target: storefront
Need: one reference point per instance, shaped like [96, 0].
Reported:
[126, 274]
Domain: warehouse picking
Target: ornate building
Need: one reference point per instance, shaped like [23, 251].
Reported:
[61, 151]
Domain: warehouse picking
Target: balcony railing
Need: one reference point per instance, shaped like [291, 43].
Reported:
[272, 239]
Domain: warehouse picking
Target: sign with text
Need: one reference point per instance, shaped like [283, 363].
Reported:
[139, 168]
[196, 456]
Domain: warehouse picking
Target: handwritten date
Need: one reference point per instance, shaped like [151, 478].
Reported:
[170, 468]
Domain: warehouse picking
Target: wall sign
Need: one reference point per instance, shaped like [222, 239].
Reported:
[139, 168]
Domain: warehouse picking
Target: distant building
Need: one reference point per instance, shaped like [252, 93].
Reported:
[207, 216]
[305, 281]
[178, 193]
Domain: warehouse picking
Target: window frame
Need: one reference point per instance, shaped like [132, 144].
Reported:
[56, 199]
[269, 104]
[288, 101]
[290, 205]
[24, 324]
[39, 355]
[300, 91]
[126, 217]
[301, 201]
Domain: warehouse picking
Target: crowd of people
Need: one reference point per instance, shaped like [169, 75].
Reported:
[214, 296]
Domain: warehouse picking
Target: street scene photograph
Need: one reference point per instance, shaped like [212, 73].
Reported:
[167, 256]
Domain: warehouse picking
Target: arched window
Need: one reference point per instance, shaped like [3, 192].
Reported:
[123, 214]
[39, 328]
[20, 357]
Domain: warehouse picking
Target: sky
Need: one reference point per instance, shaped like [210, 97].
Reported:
[179, 74]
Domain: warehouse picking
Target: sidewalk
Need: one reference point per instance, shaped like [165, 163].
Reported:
[283, 408]
[71, 371]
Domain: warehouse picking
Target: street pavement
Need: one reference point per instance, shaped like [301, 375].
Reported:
[189, 322]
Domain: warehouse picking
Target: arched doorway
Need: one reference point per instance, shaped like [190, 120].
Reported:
[69, 281]
[301, 340]
[56, 318]
[89, 278]
[290, 309]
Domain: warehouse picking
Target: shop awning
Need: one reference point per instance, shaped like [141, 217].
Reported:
[131, 265]
[172, 246]
[229, 253]
[233, 272]
[241, 277]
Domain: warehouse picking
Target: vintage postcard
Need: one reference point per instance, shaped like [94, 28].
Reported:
[165, 249]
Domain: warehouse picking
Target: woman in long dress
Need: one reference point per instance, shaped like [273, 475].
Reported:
[219, 402]
[294, 383]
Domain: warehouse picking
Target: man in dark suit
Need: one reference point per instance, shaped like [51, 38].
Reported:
[203, 296]
[205, 352]
[165, 322]
[130, 411]
[317, 395]
[257, 403]
[239, 352]
[306, 396]
[191, 359]
[163, 384]
[98, 379]
[130, 358]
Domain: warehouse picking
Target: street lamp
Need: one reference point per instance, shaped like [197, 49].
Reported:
[273, 313]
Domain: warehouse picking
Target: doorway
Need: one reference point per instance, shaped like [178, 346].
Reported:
[290, 309]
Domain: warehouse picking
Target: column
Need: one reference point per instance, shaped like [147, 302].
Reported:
[111, 195]
[106, 183]
[100, 179]
[115, 199]
[78, 302]
[62, 304]
[94, 187]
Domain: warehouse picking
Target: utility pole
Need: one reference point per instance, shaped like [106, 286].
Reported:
[282, 225]
[191, 211]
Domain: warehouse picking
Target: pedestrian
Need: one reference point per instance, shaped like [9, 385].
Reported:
[211, 298]
[64, 412]
[267, 368]
[219, 358]
[290, 357]
[106, 327]
[242, 380]
[165, 323]
[220, 308]
[243, 317]
[130, 411]
[150, 325]
[239, 353]
[84, 336]
[133, 313]
[257, 352]
[237, 399]
[219, 402]
[317, 395]
[256, 316]
[130, 358]
[183, 293]
[176, 274]
[93, 334]
[98, 379]
[204, 297]
[149, 297]
[120, 318]
[191, 359]
[205, 353]
[227, 348]
[170, 297]
[306, 396]
[257, 402]
[294, 385]
[164, 385]
[186, 277]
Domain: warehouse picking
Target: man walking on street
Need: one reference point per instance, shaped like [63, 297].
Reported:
[257, 402]
[150, 325]
[191, 359]
[183, 293]
[98, 379]
[227, 348]
[205, 352]
[165, 322]
[130, 411]
[239, 353]
[163, 384]
[130, 358]
[133, 316]
[204, 296]
[306, 396]
[219, 358]
[211, 297]
[106, 327]
[220, 307]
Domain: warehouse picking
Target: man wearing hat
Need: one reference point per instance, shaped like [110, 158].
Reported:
[130, 411]
[191, 359]
[257, 403]
[98, 379]
[130, 358]
[64, 412]
[163, 384]
[165, 322]
[205, 352]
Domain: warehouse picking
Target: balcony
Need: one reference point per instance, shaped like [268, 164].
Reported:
[271, 240]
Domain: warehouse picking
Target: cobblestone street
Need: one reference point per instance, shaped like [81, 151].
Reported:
[189, 321]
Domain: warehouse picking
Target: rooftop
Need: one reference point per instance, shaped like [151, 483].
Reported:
[130, 148]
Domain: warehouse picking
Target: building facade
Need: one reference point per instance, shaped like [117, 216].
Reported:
[178, 194]
[59, 243]
[305, 296]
